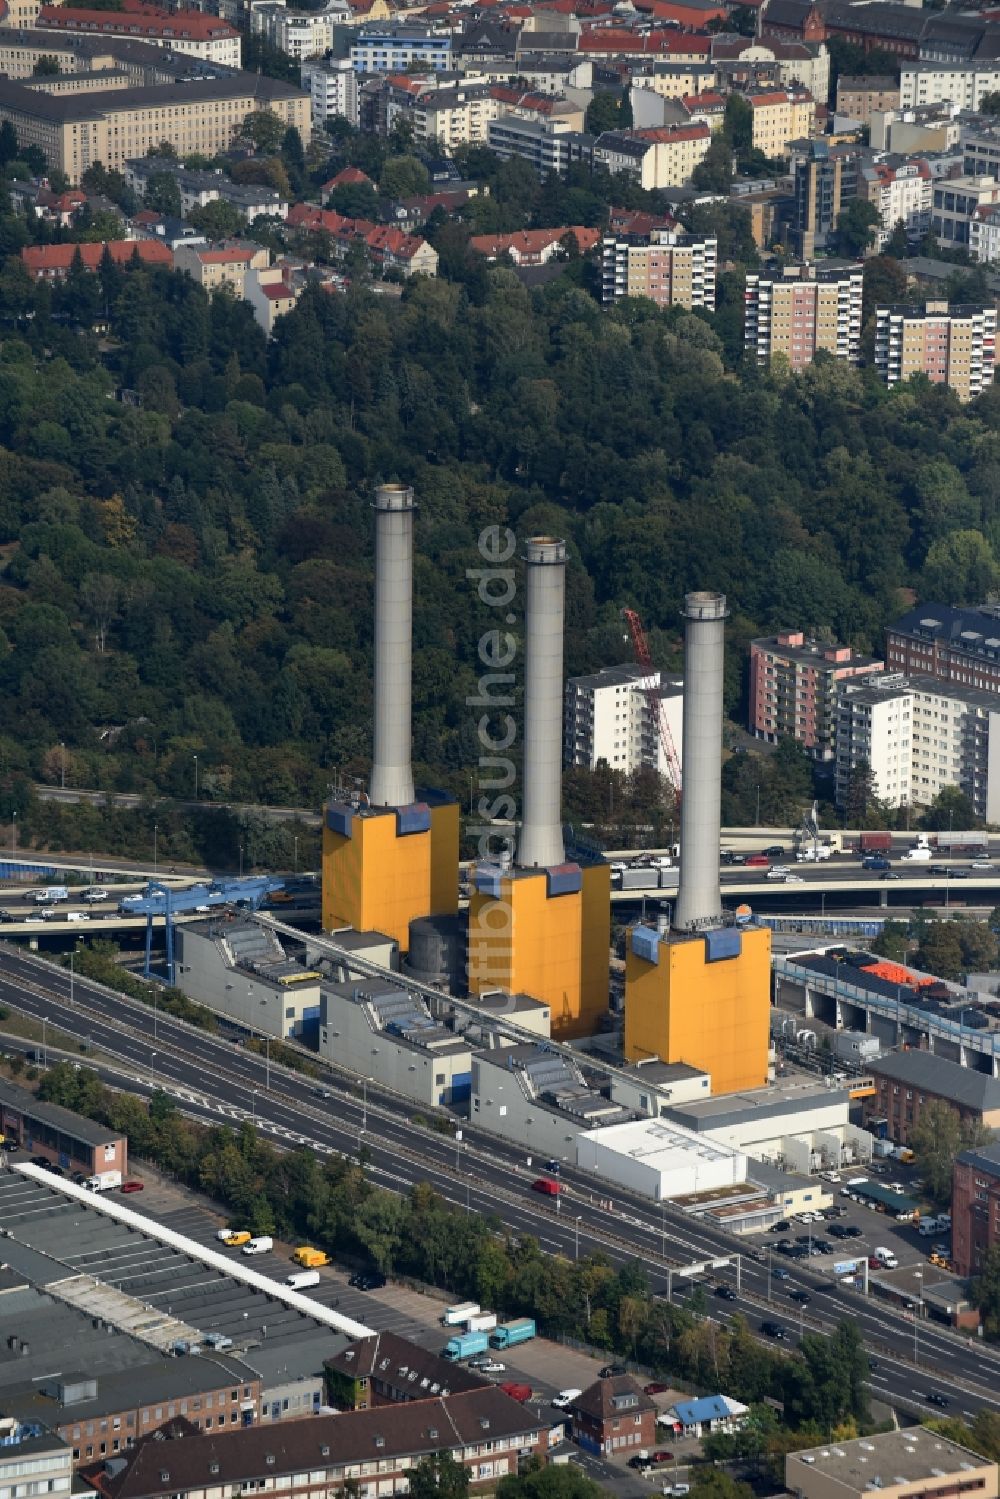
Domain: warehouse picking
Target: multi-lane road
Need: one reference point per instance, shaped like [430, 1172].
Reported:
[213, 1079]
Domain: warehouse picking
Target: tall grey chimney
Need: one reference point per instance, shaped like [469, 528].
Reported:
[541, 842]
[392, 773]
[699, 897]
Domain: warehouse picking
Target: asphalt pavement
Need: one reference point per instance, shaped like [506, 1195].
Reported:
[213, 1079]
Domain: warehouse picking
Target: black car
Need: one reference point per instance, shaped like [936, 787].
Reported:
[552, 1167]
[367, 1280]
[933, 1398]
[802, 1297]
[852, 1231]
[937, 869]
[640, 1463]
[6, 916]
[960, 874]
[803, 1238]
[837, 1231]
[611, 1371]
[873, 1364]
[774, 851]
[773, 1330]
[725, 1293]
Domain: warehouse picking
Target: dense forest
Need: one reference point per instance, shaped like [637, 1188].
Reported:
[185, 524]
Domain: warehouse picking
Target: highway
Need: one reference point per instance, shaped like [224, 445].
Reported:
[213, 1079]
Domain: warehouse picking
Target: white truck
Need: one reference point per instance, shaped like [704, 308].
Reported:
[813, 853]
[918, 855]
[263, 1245]
[481, 1322]
[929, 1226]
[103, 1181]
[885, 1258]
[302, 1278]
[50, 896]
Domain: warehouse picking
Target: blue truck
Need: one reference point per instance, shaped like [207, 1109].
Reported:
[510, 1333]
[465, 1345]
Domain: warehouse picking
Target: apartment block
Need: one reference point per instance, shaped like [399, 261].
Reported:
[796, 311]
[919, 736]
[670, 268]
[203, 115]
[953, 346]
[662, 157]
[874, 727]
[333, 90]
[975, 1207]
[965, 86]
[33, 1460]
[189, 31]
[221, 265]
[858, 97]
[396, 47]
[609, 719]
[901, 190]
[447, 118]
[948, 644]
[548, 145]
[793, 688]
[300, 33]
[955, 204]
[781, 116]
[825, 179]
[912, 1463]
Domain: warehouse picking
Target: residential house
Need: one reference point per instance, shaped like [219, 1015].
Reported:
[386, 1369]
[224, 264]
[857, 98]
[333, 89]
[797, 310]
[953, 346]
[671, 268]
[613, 1416]
[793, 689]
[656, 158]
[270, 293]
[548, 145]
[955, 204]
[399, 45]
[53, 262]
[781, 116]
[901, 189]
[534, 246]
[709, 1416]
[387, 247]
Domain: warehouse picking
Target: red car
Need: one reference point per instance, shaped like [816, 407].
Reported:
[662, 1457]
[549, 1188]
[132, 1186]
[655, 1389]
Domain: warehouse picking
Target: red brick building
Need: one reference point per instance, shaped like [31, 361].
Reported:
[975, 1207]
[613, 1415]
[907, 1081]
[62, 1137]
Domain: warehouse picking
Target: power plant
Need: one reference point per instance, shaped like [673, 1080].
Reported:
[697, 988]
[543, 927]
[698, 991]
[390, 859]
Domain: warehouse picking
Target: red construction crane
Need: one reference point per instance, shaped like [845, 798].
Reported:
[641, 647]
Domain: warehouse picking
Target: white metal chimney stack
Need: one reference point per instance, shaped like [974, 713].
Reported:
[541, 842]
[392, 772]
[699, 897]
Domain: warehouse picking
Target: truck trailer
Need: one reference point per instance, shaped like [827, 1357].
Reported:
[454, 1316]
[104, 1181]
[481, 1322]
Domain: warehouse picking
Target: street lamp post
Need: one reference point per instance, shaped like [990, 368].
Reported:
[62, 765]
[14, 820]
[918, 1276]
[71, 957]
[241, 861]
[152, 1059]
[295, 863]
[663, 1230]
[364, 1105]
[576, 1237]
[155, 831]
[45, 1044]
[195, 759]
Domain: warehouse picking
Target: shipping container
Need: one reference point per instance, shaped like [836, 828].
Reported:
[872, 841]
[968, 841]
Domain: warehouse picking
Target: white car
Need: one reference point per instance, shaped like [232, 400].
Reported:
[491, 1366]
[794, 879]
[94, 894]
[565, 1398]
[980, 864]
[77, 916]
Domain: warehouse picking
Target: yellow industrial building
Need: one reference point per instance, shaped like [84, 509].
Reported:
[385, 866]
[544, 932]
[702, 998]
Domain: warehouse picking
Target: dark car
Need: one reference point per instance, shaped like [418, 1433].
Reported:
[725, 1293]
[852, 1231]
[367, 1280]
[801, 1296]
[837, 1231]
[655, 1389]
[773, 1330]
[960, 874]
[873, 1364]
[6, 916]
[553, 1166]
[639, 1463]
[79, 1178]
[933, 1398]
[780, 1228]
[803, 1238]
[774, 850]
[937, 869]
[611, 1371]
[778, 1274]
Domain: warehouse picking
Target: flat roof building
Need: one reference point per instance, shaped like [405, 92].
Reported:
[659, 1159]
[67, 1139]
[896, 1464]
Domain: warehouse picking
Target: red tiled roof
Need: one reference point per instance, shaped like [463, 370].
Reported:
[662, 135]
[276, 291]
[533, 241]
[540, 103]
[38, 259]
[347, 176]
[224, 257]
[707, 100]
[188, 25]
[618, 39]
[775, 96]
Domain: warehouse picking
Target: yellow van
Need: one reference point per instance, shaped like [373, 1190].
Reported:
[236, 1240]
[311, 1259]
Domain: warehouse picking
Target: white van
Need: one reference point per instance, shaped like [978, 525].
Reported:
[885, 1258]
[263, 1245]
[301, 1279]
[77, 915]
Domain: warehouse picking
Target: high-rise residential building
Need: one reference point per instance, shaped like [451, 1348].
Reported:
[952, 346]
[825, 179]
[672, 269]
[793, 688]
[333, 89]
[901, 191]
[798, 310]
[608, 718]
[953, 645]
[919, 736]
[962, 84]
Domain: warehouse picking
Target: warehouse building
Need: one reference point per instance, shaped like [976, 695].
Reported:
[659, 1160]
[62, 1137]
[897, 1464]
[907, 1081]
[538, 1098]
[241, 969]
[804, 1126]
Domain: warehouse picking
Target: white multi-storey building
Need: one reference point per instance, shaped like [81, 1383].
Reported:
[608, 718]
[939, 83]
[920, 735]
[902, 194]
[300, 33]
[392, 48]
[333, 90]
